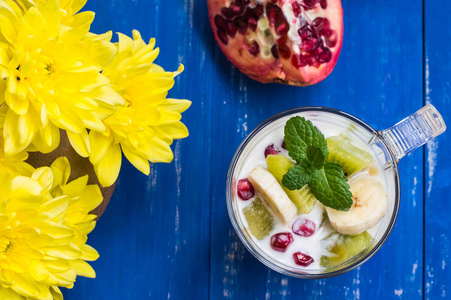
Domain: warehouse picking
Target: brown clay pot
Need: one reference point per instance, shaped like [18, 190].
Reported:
[80, 166]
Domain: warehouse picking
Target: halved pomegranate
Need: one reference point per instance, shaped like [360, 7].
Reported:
[295, 42]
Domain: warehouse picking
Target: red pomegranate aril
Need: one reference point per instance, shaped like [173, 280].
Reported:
[223, 36]
[298, 61]
[231, 29]
[321, 23]
[220, 23]
[307, 32]
[296, 9]
[281, 241]
[324, 56]
[310, 45]
[284, 145]
[282, 40]
[241, 24]
[331, 40]
[231, 12]
[253, 48]
[282, 26]
[258, 10]
[274, 51]
[245, 189]
[323, 4]
[302, 259]
[270, 150]
[242, 2]
[309, 4]
[284, 51]
[303, 227]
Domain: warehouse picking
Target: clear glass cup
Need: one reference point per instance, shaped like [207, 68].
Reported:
[389, 146]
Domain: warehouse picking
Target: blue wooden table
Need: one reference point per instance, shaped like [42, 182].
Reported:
[168, 235]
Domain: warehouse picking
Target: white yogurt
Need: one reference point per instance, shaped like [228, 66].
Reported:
[314, 245]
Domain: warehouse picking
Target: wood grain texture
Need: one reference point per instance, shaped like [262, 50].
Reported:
[437, 270]
[168, 235]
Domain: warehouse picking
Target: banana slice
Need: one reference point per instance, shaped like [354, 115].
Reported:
[370, 205]
[273, 194]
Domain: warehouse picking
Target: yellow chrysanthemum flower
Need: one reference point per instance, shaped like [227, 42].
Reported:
[147, 125]
[44, 222]
[50, 78]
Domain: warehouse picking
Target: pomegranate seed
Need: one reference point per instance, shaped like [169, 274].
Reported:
[296, 9]
[270, 150]
[258, 10]
[231, 29]
[323, 4]
[302, 259]
[230, 12]
[303, 227]
[298, 61]
[242, 2]
[307, 32]
[309, 4]
[222, 36]
[245, 189]
[281, 241]
[282, 40]
[282, 29]
[274, 51]
[331, 40]
[284, 51]
[251, 18]
[272, 11]
[321, 23]
[284, 145]
[220, 23]
[253, 48]
[324, 55]
[241, 24]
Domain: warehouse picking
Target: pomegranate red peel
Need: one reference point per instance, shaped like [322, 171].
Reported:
[294, 42]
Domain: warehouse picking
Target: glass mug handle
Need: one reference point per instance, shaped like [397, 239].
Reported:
[414, 131]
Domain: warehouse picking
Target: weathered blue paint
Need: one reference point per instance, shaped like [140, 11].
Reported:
[437, 272]
[168, 235]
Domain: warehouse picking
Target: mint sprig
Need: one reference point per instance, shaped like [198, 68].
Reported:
[308, 147]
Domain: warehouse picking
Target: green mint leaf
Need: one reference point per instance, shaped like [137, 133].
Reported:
[298, 176]
[315, 156]
[331, 188]
[299, 134]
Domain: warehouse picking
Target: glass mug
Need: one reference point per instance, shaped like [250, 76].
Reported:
[388, 146]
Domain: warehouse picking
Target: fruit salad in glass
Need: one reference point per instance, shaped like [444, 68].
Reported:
[314, 192]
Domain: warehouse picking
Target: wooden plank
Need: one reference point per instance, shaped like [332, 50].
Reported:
[153, 239]
[437, 271]
[379, 79]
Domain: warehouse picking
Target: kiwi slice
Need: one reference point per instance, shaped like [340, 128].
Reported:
[259, 219]
[351, 158]
[278, 165]
[345, 248]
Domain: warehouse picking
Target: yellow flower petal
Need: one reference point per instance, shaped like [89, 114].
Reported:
[61, 171]
[80, 142]
[23, 187]
[99, 146]
[176, 105]
[107, 169]
[82, 268]
[139, 161]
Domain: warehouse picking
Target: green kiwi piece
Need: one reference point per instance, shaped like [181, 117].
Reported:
[346, 247]
[278, 165]
[351, 158]
[259, 219]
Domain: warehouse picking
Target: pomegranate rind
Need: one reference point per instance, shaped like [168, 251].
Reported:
[268, 70]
